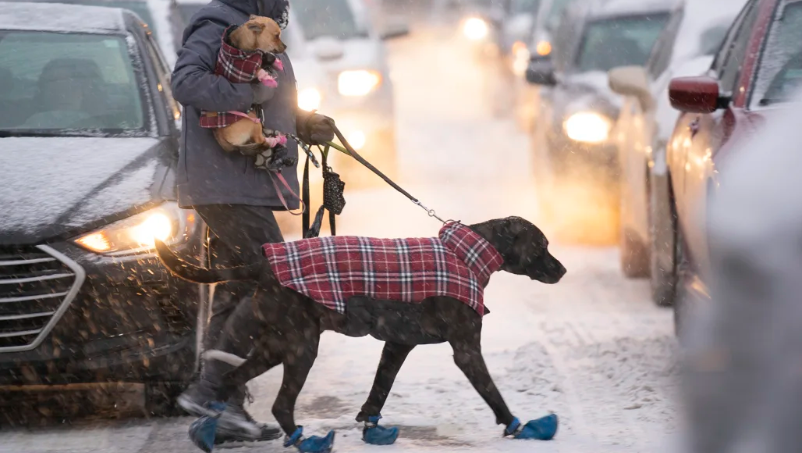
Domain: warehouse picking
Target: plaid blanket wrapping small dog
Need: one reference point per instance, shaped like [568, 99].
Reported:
[330, 270]
[237, 66]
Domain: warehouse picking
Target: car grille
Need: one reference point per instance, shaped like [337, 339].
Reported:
[37, 285]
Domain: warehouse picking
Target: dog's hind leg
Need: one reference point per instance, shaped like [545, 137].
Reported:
[393, 356]
[468, 357]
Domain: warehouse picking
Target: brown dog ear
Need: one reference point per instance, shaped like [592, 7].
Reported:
[255, 27]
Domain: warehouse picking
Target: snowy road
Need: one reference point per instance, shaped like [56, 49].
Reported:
[592, 348]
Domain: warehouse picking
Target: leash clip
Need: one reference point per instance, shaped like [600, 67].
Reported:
[431, 212]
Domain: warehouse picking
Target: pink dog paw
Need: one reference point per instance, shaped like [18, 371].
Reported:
[278, 64]
[266, 78]
[271, 82]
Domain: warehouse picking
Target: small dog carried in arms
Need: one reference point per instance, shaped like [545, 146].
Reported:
[247, 55]
[405, 292]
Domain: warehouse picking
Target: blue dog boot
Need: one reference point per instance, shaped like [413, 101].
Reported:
[543, 428]
[374, 434]
[314, 444]
[202, 433]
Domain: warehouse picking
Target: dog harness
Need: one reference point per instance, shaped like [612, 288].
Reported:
[329, 270]
[237, 66]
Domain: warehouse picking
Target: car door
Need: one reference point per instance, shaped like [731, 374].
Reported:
[705, 134]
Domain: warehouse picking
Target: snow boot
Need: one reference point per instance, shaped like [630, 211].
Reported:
[543, 428]
[314, 444]
[374, 434]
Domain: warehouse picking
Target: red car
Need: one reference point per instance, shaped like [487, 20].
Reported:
[750, 82]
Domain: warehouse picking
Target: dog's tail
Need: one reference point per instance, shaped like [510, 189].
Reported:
[193, 273]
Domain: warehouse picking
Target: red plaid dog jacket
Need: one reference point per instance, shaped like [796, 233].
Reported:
[330, 270]
[237, 66]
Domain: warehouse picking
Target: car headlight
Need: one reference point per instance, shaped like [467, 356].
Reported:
[475, 29]
[358, 83]
[543, 48]
[587, 127]
[168, 223]
[309, 99]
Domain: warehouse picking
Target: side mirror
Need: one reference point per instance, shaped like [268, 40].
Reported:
[541, 72]
[632, 81]
[696, 94]
[394, 30]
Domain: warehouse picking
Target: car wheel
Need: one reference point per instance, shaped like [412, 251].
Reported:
[663, 244]
[634, 255]
[682, 302]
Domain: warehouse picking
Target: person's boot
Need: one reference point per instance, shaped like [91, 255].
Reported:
[200, 400]
[236, 404]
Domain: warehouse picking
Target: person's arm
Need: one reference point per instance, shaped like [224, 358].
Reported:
[194, 82]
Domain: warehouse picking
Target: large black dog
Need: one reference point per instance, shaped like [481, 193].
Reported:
[290, 324]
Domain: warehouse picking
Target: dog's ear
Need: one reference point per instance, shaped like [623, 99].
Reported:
[255, 27]
[253, 17]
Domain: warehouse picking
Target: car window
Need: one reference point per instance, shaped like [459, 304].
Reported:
[730, 70]
[663, 49]
[555, 13]
[69, 82]
[779, 71]
[620, 41]
[334, 18]
[723, 51]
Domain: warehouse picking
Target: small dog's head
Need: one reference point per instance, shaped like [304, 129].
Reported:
[259, 33]
[524, 248]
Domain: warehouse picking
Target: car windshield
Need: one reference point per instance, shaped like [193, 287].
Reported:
[68, 83]
[333, 19]
[623, 41]
[779, 73]
[555, 13]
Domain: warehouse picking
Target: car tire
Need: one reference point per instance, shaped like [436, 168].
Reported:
[635, 262]
[682, 303]
[663, 243]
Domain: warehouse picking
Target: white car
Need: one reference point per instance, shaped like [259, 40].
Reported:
[357, 90]
[686, 47]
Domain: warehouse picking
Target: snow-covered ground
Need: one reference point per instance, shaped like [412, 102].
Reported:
[592, 349]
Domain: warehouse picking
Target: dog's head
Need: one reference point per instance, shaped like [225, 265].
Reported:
[524, 248]
[259, 33]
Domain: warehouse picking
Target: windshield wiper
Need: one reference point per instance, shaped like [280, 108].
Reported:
[768, 101]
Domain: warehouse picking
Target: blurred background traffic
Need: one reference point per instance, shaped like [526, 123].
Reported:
[607, 122]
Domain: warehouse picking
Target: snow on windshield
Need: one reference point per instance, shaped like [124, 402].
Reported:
[334, 19]
[57, 17]
[704, 26]
[620, 41]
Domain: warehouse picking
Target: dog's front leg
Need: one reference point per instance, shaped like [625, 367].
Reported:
[393, 356]
[468, 357]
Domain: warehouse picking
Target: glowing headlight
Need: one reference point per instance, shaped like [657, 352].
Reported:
[309, 99]
[520, 58]
[543, 48]
[475, 29]
[358, 83]
[587, 127]
[167, 223]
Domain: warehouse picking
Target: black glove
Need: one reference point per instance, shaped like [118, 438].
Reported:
[315, 129]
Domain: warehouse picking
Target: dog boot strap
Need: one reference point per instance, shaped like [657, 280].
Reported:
[514, 428]
[372, 421]
[296, 438]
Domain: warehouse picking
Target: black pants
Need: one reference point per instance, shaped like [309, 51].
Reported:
[238, 233]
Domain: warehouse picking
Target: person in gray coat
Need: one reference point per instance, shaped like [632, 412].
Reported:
[743, 381]
[233, 197]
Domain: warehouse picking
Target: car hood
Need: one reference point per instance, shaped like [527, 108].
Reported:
[358, 53]
[586, 92]
[55, 187]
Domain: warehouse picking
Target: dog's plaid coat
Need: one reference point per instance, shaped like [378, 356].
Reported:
[237, 66]
[329, 270]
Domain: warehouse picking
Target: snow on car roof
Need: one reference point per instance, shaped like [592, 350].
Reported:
[60, 17]
[626, 7]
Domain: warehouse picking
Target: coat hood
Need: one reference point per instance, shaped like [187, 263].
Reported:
[278, 10]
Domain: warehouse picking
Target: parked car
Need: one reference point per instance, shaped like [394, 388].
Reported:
[359, 91]
[88, 149]
[570, 142]
[750, 82]
[694, 33]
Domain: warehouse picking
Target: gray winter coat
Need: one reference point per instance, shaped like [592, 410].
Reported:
[206, 173]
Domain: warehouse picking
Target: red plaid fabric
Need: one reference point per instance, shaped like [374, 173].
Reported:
[237, 66]
[330, 270]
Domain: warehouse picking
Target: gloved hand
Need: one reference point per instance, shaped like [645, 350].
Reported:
[314, 128]
[262, 93]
